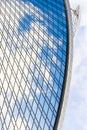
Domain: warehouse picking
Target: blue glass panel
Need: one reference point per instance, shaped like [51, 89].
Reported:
[33, 59]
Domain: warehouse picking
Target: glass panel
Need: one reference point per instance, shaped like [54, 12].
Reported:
[33, 44]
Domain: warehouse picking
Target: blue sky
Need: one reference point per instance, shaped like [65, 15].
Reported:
[76, 112]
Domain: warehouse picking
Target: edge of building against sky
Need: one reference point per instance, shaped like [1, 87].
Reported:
[76, 112]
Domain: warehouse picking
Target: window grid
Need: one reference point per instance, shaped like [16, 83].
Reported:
[33, 58]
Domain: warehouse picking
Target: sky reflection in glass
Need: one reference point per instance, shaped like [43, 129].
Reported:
[35, 40]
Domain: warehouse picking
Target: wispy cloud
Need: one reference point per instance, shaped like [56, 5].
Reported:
[76, 113]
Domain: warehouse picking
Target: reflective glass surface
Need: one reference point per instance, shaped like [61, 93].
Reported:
[33, 45]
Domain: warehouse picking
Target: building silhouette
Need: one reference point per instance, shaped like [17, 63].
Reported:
[35, 63]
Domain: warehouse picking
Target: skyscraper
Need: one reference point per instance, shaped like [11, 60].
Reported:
[35, 63]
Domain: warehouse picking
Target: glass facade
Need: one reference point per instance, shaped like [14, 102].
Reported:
[33, 53]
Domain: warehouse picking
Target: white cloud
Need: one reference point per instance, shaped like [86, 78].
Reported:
[83, 8]
[76, 113]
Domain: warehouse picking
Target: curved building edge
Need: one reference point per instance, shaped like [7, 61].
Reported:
[68, 71]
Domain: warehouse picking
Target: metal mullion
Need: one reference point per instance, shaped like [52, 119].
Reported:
[52, 3]
[46, 17]
[39, 84]
[2, 107]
